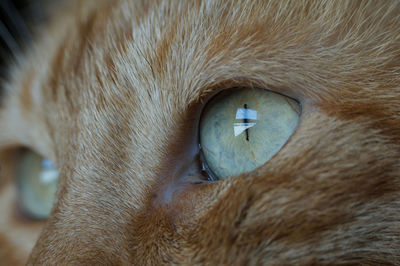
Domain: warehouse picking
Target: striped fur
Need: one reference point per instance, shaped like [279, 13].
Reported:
[112, 92]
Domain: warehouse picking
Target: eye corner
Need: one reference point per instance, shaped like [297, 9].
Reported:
[205, 169]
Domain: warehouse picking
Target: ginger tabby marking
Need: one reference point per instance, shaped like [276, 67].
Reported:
[111, 91]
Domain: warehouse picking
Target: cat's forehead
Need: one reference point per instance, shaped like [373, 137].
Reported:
[180, 52]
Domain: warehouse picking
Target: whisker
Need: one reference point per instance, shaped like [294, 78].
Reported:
[22, 31]
[9, 40]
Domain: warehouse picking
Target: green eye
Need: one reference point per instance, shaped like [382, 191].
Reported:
[242, 129]
[37, 184]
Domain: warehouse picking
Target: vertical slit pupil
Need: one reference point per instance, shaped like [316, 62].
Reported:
[245, 120]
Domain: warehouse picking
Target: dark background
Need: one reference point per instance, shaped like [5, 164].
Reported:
[18, 18]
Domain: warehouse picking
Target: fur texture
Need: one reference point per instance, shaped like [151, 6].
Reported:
[113, 90]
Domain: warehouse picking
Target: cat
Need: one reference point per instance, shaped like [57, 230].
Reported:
[113, 91]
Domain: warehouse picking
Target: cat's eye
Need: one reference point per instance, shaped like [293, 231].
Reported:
[241, 129]
[37, 184]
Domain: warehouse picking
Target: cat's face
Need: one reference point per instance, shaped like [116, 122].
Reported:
[114, 96]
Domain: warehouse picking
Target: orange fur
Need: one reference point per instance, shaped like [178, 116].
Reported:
[114, 99]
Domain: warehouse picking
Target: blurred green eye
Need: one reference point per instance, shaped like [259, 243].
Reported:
[37, 184]
[242, 129]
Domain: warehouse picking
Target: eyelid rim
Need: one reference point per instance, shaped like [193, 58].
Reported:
[204, 166]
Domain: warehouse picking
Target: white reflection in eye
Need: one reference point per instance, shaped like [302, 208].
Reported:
[245, 114]
[49, 173]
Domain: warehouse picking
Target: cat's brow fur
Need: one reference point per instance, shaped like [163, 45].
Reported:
[109, 93]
